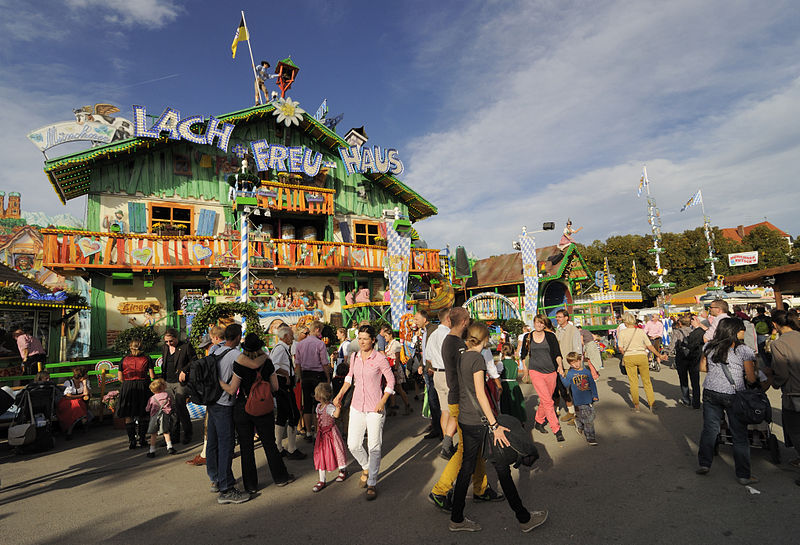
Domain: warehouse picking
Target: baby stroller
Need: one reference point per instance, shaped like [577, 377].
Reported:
[32, 428]
[758, 435]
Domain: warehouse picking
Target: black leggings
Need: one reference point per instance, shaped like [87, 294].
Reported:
[286, 412]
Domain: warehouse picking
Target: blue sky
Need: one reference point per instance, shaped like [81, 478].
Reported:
[505, 113]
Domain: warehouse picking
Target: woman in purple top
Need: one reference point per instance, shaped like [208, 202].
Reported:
[726, 352]
[367, 368]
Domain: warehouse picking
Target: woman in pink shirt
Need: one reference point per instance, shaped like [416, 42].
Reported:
[367, 414]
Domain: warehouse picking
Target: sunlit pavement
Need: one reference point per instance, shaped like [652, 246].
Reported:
[637, 486]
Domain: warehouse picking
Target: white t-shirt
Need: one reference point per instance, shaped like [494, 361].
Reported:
[491, 368]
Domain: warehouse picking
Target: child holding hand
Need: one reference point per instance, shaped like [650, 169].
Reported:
[584, 393]
[329, 447]
[159, 406]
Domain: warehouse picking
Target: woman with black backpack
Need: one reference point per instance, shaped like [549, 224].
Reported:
[688, 347]
[730, 367]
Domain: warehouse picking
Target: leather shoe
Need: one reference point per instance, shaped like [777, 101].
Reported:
[434, 435]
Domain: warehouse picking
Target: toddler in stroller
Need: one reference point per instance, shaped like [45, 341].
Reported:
[32, 428]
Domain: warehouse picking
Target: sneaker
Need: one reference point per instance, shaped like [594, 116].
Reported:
[151, 454]
[284, 453]
[446, 453]
[592, 443]
[559, 436]
[540, 428]
[214, 488]
[233, 496]
[289, 480]
[465, 525]
[488, 495]
[747, 480]
[702, 470]
[296, 455]
[579, 431]
[537, 519]
[171, 450]
[568, 416]
[440, 501]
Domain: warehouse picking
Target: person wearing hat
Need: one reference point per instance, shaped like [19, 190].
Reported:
[209, 342]
[245, 424]
[262, 76]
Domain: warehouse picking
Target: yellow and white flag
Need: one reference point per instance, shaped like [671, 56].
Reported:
[240, 36]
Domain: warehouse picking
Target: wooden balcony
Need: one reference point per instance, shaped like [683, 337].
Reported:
[70, 250]
[292, 198]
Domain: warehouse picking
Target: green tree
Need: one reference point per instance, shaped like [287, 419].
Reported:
[773, 249]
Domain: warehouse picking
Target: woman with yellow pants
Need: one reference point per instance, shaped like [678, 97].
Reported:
[633, 344]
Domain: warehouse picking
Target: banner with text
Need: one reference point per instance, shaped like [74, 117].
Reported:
[743, 258]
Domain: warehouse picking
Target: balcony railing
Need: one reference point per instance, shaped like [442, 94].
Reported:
[292, 198]
[71, 250]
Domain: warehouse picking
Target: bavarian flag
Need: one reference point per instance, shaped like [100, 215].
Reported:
[240, 36]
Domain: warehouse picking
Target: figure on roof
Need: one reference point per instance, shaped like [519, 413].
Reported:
[262, 76]
[566, 238]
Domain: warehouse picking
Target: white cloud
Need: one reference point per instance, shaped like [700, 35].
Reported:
[561, 106]
[153, 13]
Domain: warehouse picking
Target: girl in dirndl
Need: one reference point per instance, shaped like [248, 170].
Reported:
[329, 448]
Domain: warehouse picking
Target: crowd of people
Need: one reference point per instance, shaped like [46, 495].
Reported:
[343, 399]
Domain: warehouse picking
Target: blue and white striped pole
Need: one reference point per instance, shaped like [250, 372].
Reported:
[244, 274]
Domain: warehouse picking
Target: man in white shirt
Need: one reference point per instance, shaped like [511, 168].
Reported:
[569, 340]
[287, 414]
[433, 357]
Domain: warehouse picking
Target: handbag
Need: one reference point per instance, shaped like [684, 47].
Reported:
[621, 364]
[750, 406]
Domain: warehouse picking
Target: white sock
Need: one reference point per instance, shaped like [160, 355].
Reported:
[205, 443]
[169, 444]
[152, 448]
[280, 433]
[291, 440]
[322, 475]
[571, 409]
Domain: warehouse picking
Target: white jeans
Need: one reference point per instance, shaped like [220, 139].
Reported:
[372, 424]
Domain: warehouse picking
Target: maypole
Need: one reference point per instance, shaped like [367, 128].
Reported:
[709, 234]
[654, 219]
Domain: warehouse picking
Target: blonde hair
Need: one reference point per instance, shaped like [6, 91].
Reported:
[477, 333]
[629, 319]
[323, 391]
[158, 385]
[216, 332]
[573, 356]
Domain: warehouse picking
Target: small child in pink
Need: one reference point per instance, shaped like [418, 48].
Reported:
[329, 448]
[160, 408]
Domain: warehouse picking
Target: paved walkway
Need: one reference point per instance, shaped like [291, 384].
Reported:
[637, 486]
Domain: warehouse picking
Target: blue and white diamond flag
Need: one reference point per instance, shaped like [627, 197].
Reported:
[398, 251]
[530, 275]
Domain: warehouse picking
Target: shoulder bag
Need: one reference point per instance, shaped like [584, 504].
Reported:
[750, 405]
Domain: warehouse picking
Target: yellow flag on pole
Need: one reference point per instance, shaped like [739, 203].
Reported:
[240, 36]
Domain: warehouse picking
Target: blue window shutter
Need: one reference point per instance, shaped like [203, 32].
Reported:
[344, 228]
[137, 221]
[206, 221]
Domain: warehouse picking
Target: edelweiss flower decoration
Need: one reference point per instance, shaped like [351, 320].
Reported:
[288, 111]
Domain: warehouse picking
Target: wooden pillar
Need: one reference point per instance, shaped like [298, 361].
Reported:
[778, 297]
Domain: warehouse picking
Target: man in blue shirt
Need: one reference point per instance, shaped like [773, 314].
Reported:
[262, 76]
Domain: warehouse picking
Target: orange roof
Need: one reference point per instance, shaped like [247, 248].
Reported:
[732, 233]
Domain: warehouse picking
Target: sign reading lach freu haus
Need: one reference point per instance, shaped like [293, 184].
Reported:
[167, 200]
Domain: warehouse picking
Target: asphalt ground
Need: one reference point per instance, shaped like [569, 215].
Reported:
[637, 486]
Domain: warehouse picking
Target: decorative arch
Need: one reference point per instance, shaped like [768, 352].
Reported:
[488, 302]
[211, 314]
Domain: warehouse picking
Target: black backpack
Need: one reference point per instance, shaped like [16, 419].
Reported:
[202, 382]
[520, 452]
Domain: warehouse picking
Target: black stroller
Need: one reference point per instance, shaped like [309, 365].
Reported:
[32, 428]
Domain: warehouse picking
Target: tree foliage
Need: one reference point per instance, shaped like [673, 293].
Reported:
[684, 256]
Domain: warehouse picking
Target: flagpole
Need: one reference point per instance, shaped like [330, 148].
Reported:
[654, 218]
[252, 61]
[707, 232]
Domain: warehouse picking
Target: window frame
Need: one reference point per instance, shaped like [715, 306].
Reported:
[172, 206]
[366, 234]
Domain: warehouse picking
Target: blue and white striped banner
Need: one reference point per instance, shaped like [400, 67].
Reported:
[398, 251]
[697, 198]
[530, 275]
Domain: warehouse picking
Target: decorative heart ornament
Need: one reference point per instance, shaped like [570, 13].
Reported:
[358, 256]
[142, 256]
[419, 260]
[201, 252]
[88, 246]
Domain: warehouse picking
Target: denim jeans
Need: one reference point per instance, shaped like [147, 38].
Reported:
[715, 404]
[219, 450]
[433, 402]
[473, 438]
[689, 371]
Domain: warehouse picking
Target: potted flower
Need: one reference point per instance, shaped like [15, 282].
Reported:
[110, 400]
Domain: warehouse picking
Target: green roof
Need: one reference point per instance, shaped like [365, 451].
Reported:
[70, 175]
[288, 60]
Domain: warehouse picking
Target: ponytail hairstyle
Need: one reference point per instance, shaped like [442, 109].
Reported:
[782, 318]
[726, 337]
[477, 333]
